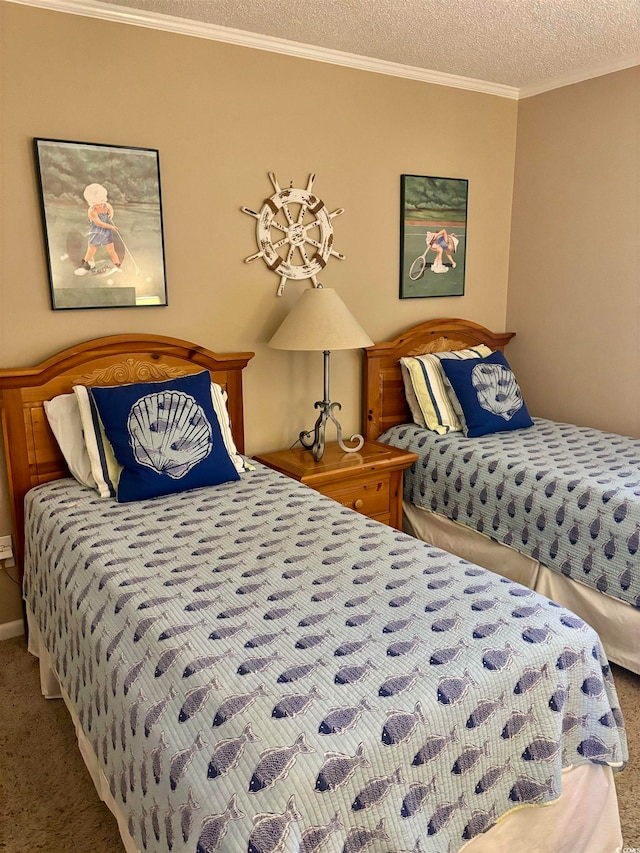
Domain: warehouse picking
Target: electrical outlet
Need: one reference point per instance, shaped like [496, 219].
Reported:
[6, 551]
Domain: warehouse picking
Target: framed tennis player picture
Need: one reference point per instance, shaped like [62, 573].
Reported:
[433, 236]
[102, 218]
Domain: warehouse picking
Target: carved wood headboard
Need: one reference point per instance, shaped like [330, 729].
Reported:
[31, 451]
[384, 403]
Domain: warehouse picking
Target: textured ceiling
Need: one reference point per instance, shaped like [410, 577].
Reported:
[524, 44]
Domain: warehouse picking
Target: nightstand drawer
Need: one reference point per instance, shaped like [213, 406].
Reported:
[369, 496]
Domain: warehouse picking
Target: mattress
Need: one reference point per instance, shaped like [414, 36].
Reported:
[567, 496]
[257, 668]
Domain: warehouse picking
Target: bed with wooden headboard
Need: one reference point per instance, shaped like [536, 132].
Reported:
[174, 627]
[31, 450]
[384, 401]
[431, 515]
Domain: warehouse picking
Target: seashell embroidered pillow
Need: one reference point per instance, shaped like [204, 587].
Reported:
[166, 436]
[487, 395]
[89, 434]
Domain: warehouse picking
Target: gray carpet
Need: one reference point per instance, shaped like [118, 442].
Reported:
[47, 799]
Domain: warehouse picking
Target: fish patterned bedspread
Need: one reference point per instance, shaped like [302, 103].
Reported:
[565, 495]
[260, 669]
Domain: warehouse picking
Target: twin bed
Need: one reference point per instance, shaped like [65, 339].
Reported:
[554, 506]
[252, 667]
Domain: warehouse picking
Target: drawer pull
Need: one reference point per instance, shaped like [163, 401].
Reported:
[358, 504]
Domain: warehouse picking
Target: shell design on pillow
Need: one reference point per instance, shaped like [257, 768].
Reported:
[497, 389]
[169, 432]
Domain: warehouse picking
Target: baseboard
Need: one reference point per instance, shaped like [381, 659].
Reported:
[11, 629]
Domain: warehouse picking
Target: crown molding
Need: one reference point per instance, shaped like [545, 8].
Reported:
[242, 38]
[256, 41]
[580, 76]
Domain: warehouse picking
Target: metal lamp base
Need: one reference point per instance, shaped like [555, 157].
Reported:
[314, 440]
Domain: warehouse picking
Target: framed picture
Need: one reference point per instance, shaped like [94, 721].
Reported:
[102, 216]
[433, 236]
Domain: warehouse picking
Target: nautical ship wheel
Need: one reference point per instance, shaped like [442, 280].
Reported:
[294, 233]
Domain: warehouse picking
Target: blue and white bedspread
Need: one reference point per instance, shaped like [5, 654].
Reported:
[259, 669]
[566, 495]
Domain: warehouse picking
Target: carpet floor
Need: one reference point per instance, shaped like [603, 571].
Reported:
[47, 799]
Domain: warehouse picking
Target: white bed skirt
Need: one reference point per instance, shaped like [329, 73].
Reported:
[51, 689]
[617, 623]
[585, 817]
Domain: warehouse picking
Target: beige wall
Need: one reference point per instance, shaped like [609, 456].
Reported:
[574, 282]
[222, 117]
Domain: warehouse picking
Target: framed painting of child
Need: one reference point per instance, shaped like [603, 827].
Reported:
[102, 218]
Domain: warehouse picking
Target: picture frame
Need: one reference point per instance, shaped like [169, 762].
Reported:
[89, 194]
[433, 236]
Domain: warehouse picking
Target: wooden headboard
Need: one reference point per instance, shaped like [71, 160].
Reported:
[31, 451]
[384, 403]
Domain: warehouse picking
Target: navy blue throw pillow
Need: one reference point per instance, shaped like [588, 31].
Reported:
[165, 435]
[488, 395]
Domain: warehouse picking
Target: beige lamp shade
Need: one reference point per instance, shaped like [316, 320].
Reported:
[320, 321]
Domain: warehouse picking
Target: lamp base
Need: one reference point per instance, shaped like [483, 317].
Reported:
[314, 440]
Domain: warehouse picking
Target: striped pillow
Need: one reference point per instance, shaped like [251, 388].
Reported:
[426, 388]
[219, 400]
[104, 465]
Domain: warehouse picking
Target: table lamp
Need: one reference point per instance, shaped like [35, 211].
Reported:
[321, 322]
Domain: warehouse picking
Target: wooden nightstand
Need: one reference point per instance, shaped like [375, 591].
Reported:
[369, 481]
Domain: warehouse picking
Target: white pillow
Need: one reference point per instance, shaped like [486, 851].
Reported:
[104, 465]
[64, 419]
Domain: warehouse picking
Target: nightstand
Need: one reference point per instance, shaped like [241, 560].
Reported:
[369, 481]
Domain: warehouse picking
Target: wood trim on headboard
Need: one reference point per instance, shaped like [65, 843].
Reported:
[32, 453]
[384, 403]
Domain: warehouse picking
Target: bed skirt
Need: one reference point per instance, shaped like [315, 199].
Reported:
[50, 687]
[612, 619]
[584, 817]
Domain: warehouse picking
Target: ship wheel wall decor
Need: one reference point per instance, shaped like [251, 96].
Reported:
[294, 233]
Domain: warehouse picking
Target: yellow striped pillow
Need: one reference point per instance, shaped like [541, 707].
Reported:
[426, 388]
